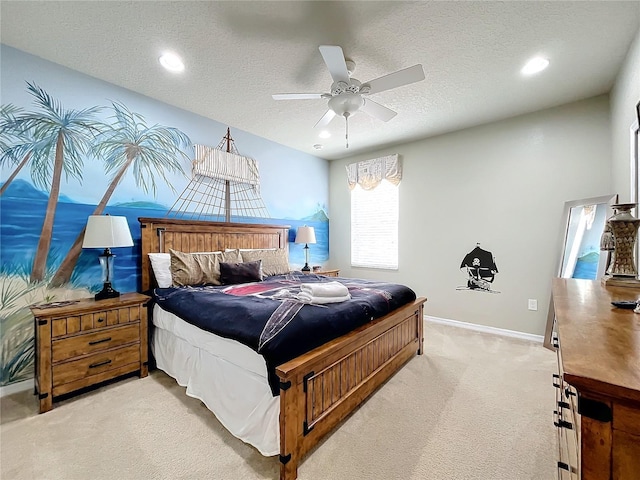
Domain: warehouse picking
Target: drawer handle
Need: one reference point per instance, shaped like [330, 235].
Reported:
[100, 320]
[564, 405]
[95, 342]
[568, 393]
[99, 364]
[563, 466]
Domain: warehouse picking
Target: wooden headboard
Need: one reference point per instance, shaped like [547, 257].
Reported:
[161, 234]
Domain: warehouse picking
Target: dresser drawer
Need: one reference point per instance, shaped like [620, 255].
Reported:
[94, 364]
[104, 339]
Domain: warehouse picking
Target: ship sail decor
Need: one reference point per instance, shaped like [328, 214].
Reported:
[224, 185]
[480, 267]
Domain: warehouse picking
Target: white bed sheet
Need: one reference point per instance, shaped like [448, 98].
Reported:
[228, 377]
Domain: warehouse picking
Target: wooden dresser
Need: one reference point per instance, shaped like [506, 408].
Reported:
[86, 342]
[598, 381]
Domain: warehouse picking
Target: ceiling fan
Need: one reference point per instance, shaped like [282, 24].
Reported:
[348, 94]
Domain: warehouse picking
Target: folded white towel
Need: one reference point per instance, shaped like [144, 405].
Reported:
[306, 298]
[326, 289]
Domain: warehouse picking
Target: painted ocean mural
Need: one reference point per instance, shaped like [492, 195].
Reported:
[61, 165]
[22, 209]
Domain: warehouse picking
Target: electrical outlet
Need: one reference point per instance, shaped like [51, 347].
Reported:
[533, 304]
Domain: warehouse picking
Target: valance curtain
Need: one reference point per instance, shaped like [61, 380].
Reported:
[369, 173]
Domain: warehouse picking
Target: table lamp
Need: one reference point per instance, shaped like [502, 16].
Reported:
[106, 231]
[306, 235]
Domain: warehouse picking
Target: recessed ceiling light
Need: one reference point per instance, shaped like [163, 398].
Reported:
[535, 65]
[171, 62]
[317, 146]
[324, 134]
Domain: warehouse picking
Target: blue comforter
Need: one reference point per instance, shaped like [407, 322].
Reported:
[267, 317]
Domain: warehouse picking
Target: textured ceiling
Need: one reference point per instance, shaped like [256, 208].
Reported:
[238, 53]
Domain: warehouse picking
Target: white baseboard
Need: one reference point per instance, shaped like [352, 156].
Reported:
[16, 387]
[486, 329]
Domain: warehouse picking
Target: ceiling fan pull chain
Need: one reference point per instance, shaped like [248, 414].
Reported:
[346, 122]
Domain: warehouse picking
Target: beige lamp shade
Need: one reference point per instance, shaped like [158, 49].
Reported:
[305, 235]
[106, 231]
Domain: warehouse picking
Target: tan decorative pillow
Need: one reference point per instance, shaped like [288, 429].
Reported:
[274, 262]
[231, 256]
[200, 268]
[194, 268]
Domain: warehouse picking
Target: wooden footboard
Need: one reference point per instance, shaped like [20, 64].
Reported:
[320, 388]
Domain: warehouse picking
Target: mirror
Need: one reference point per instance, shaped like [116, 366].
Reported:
[580, 255]
[635, 169]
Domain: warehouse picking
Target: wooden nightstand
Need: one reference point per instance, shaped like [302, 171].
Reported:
[328, 273]
[86, 342]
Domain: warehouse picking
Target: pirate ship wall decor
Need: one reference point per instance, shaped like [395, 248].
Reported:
[225, 186]
[480, 268]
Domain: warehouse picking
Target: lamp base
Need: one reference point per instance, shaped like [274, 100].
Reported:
[613, 281]
[306, 268]
[107, 292]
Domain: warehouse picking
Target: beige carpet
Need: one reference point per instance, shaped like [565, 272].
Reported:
[475, 406]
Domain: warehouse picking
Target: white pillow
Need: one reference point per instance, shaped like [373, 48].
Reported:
[161, 265]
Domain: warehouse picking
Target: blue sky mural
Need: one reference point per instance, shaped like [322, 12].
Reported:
[294, 187]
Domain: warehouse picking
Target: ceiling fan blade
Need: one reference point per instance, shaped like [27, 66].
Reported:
[376, 110]
[297, 96]
[396, 79]
[334, 58]
[326, 118]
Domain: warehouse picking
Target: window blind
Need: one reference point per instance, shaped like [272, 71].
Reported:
[374, 226]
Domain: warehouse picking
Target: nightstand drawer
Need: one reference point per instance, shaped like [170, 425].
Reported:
[94, 320]
[71, 347]
[100, 362]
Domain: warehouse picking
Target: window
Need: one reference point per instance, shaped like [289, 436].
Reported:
[374, 226]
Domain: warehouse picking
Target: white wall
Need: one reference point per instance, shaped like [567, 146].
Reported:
[502, 185]
[624, 97]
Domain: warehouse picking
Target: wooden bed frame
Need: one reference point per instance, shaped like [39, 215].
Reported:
[320, 388]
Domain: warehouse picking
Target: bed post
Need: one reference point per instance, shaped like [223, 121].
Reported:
[291, 417]
[420, 315]
[146, 244]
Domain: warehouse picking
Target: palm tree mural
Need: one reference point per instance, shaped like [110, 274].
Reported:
[13, 145]
[59, 138]
[151, 152]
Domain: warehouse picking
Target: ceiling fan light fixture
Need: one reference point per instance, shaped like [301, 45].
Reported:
[346, 103]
